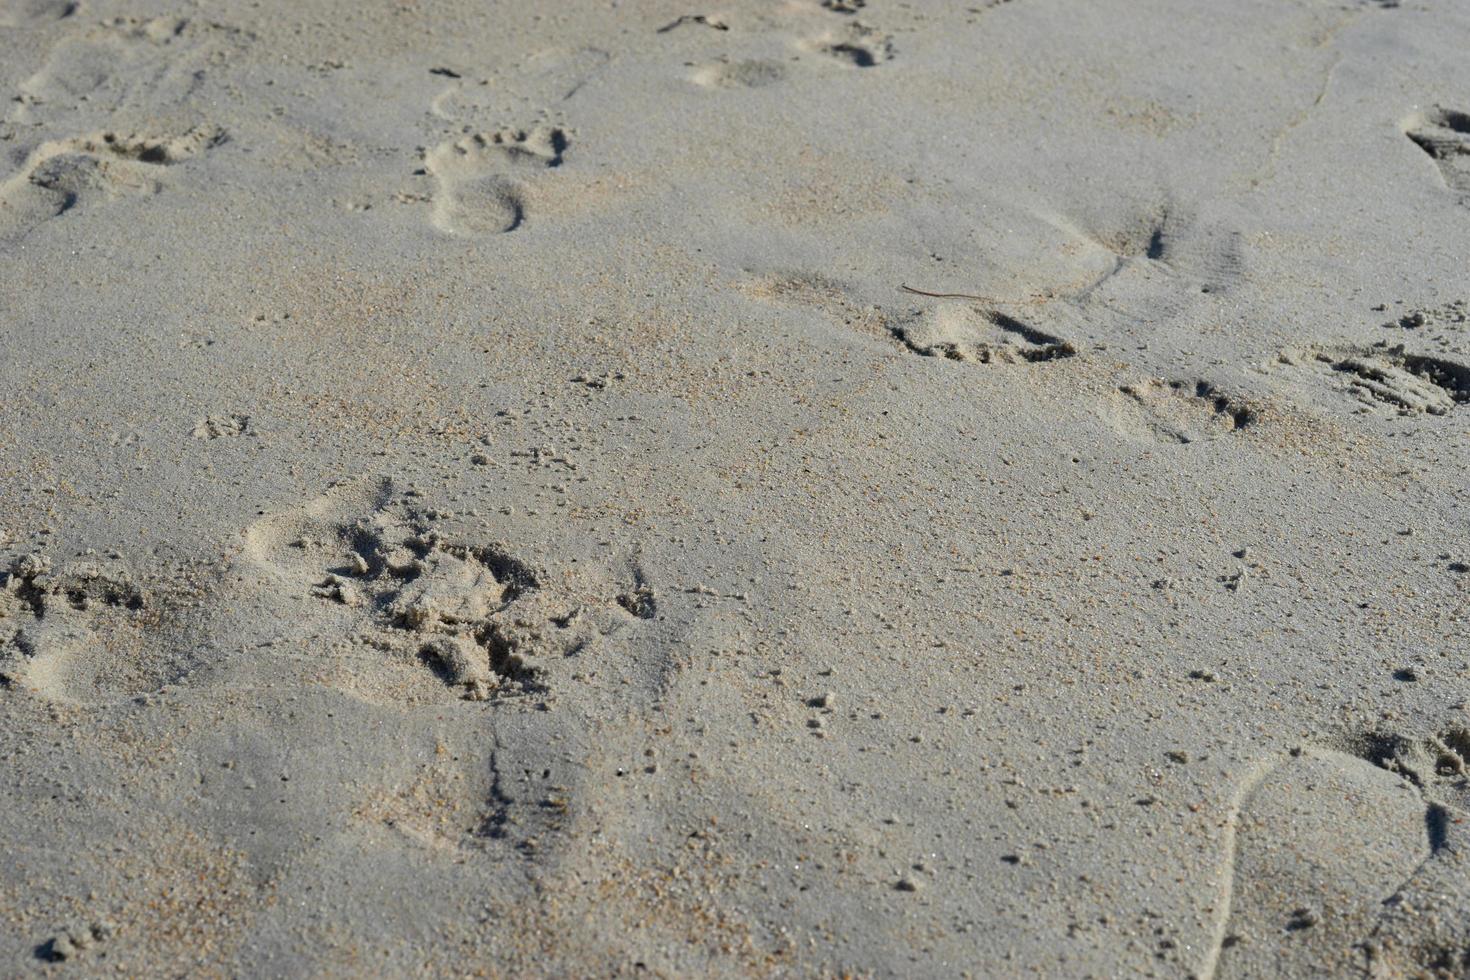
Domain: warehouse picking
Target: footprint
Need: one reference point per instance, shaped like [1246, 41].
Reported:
[1444, 134]
[544, 77]
[966, 332]
[1161, 260]
[228, 426]
[15, 13]
[1450, 316]
[422, 600]
[857, 45]
[756, 73]
[466, 803]
[954, 329]
[477, 195]
[1425, 926]
[1178, 411]
[126, 63]
[1349, 857]
[63, 174]
[1386, 374]
[694, 20]
[830, 297]
[87, 633]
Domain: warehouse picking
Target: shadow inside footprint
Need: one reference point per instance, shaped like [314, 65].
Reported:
[1444, 134]
[61, 174]
[965, 332]
[1349, 857]
[484, 206]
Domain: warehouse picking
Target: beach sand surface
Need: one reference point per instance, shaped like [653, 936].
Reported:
[782, 488]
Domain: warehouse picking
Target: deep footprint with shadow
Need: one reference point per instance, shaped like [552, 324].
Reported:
[857, 46]
[61, 175]
[417, 597]
[958, 328]
[1444, 134]
[478, 191]
[1388, 375]
[964, 332]
[1179, 411]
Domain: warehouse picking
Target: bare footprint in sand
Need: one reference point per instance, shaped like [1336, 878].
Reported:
[478, 193]
[424, 610]
[1349, 858]
[750, 73]
[962, 331]
[1385, 375]
[123, 63]
[61, 175]
[1444, 134]
[86, 632]
[17, 13]
[856, 45]
[954, 328]
[1157, 262]
[1177, 412]
[545, 77]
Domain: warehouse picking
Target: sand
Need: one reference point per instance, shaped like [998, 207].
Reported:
[782, 488]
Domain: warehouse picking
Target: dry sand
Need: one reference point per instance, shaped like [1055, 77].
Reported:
[476, 497]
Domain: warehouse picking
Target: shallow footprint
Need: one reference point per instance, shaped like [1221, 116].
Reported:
[1349, 858]
[739, 74]
[1321, 841]
[87, 633]
[477, 194]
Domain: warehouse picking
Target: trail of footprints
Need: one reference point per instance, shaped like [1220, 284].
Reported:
[400, 606]
[482, 179]
[969, 332]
